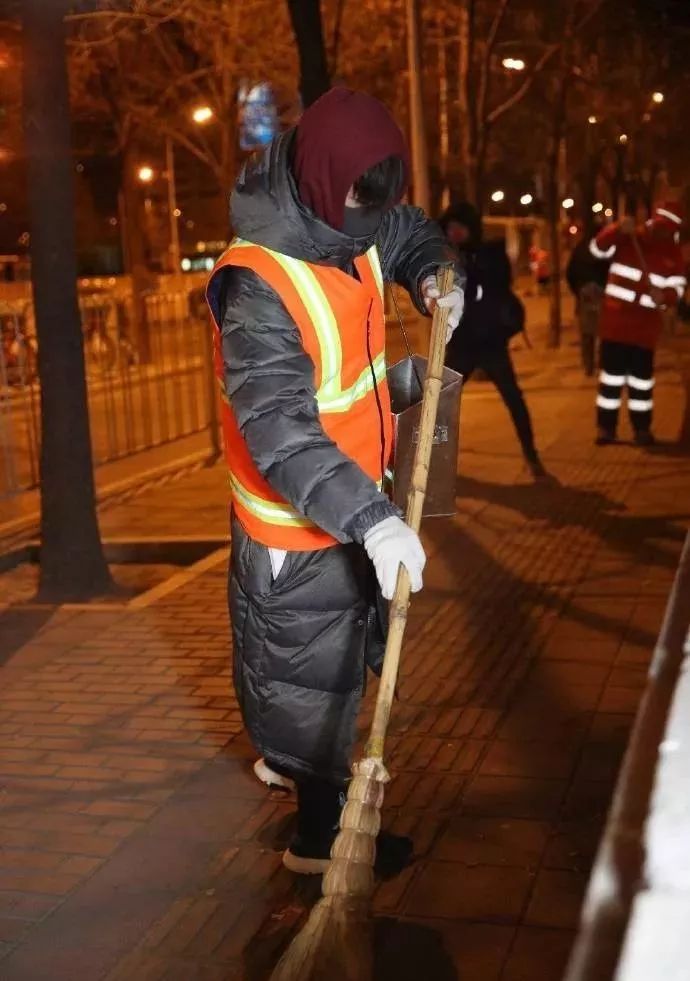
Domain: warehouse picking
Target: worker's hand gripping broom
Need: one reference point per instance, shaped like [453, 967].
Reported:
[336, 943]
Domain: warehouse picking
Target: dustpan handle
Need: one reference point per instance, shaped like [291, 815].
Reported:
[406, 339]
[415, 505]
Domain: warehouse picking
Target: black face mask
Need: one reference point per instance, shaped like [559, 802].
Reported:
[361, 222]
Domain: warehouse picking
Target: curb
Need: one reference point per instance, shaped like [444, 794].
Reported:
[14, 534]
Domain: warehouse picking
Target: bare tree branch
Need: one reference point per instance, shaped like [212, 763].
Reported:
[542, 62]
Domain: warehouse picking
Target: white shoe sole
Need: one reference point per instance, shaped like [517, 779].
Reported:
[305, 866]
[272, 779]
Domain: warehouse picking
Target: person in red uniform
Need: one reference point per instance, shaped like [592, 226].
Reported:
[646, 276]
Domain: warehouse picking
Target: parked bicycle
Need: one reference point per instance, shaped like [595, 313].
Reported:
[18, 351]
[106, 346]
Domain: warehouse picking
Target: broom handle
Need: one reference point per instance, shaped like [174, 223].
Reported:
[415, 504]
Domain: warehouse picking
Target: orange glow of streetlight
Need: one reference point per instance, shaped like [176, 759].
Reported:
[202, 114]
[145, 174]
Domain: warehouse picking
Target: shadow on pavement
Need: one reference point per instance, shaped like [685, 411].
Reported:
[18, 627]
[408, 951]
[561, 506]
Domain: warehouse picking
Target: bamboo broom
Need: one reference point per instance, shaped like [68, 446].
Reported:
[336, 943]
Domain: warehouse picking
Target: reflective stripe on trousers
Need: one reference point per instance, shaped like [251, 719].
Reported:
[631, 366]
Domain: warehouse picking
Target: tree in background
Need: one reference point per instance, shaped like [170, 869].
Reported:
[307, 25]
[73, 566]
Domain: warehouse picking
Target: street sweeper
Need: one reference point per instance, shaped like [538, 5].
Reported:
[297, 304]
[646, 276]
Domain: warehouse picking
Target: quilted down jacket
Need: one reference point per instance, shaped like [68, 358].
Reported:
[300, 642]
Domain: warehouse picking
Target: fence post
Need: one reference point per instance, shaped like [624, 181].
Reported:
[211, 390]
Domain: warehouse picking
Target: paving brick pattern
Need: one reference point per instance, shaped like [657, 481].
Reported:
[135, 844]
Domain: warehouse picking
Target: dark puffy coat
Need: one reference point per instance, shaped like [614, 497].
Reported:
[301, 642]
[583, 268]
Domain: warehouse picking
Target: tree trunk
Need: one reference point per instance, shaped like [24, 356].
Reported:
[73, 566]
[420, 161]
[468, 103]
[305, 16]
[444, 138]
[554, 214]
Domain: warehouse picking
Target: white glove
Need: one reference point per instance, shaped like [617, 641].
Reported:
[455, 301]
[389, 544]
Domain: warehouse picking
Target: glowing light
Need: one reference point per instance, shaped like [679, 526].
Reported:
[593, 120]
[623, 138]
[145, 174]
[658, 97]
[526, 199]
[567, 203]
[177, 212]
[573, 229]
[202, 114]
[609, 212]
[597, 207]
[497, 196]
[514, 64]
[186, 265]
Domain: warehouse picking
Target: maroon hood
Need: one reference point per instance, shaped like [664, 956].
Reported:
[339, 137]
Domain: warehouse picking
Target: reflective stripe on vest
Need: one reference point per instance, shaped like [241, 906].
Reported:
[269, 511]
[330, 397]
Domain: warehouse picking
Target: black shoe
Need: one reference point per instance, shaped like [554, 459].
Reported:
[645, 437]
[312, 857]
[605, 437]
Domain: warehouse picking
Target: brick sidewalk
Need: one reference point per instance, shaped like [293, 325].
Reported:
[135, 844]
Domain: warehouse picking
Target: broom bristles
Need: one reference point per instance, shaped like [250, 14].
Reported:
[335, 944]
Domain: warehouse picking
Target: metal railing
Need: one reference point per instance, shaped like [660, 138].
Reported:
[145, 388]
[642, 855]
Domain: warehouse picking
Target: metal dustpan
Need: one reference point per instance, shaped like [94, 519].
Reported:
[406, 403]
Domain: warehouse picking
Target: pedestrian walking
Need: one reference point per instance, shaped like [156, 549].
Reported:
[540, 267]
[586, 278]
[492, 316]
[297, 301]
[646, 277]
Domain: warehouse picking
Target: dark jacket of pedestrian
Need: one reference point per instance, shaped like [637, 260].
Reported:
[493, 314]
[583, 268]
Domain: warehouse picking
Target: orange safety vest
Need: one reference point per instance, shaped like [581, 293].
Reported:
[342, 327]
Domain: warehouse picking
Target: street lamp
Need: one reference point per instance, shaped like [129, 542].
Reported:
[597, 207]
[526, 199]
[658, 97]
[497, 196]
[567, 203]
[145, 174]
[202, 114]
